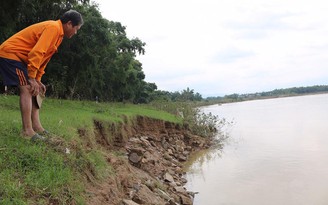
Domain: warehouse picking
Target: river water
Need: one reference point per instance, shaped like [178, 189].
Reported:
[276, 154]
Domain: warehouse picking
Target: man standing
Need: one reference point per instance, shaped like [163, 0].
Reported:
[23, 58]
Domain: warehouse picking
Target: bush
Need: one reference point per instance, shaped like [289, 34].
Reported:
[200, 123]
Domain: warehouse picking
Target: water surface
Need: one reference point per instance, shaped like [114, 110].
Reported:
[277, 154]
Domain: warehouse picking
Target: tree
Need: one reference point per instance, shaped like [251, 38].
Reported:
[8, 18]
[98, 62]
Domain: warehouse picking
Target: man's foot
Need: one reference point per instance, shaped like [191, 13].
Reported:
[28, 134]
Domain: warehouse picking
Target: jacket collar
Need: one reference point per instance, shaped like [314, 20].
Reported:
[61, 28]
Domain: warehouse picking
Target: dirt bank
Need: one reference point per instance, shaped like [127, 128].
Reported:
[149, 168]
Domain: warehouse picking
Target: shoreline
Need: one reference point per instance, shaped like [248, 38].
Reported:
[150, 167]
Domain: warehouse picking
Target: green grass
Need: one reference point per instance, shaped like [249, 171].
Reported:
[69, 115]
[36, 173]
[30, 170]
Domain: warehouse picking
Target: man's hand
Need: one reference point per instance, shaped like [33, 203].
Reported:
[34, 86]
[43, 88]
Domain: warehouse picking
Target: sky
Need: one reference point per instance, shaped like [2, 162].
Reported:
[221, 47]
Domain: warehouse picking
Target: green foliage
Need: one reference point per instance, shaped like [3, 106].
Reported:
[100, 62]
[97, 63]
[200, 123]
[187, 95]
[8, 18]
[101, 168]
[270, 94]
[18, 14]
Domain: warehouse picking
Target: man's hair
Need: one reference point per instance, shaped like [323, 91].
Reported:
[73, 16]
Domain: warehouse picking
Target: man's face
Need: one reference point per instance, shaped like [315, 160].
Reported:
[71, 30]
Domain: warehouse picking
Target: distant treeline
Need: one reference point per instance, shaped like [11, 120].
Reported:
[270, 94]
[100, 61]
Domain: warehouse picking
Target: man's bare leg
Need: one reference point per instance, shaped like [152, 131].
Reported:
[25, 103]
[36, 123]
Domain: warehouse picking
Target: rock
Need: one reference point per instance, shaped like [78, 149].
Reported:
[167, 156]
[180, 189]
[146, 195]
[178, 169]
[182, 158]
[150, 157]
[186, 200]
[153, 143]
[129, 202]
[169, 151]
[145, 141]
[173, 184]
[189, 148]
[163, 194]
[165, 144]
[183, 180]
[135, 140]
[138, 150]
[134, 158]
[150, 184]
[168, 177]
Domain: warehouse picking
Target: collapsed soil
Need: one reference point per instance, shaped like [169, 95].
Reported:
[147, 159]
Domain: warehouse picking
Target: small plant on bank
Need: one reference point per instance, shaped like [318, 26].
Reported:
[200, 123]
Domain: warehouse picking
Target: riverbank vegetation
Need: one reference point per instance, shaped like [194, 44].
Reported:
[55, 171]
[39, 174]
[277, 93]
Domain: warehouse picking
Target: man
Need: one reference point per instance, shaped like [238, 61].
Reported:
[23, 58]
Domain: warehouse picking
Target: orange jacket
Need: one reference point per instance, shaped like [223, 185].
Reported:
[34, 46]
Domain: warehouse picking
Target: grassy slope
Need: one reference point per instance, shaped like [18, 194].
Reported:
[35, 173]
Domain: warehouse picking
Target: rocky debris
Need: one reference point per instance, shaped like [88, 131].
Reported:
[163, 159]
[129, 202]
[151, 172]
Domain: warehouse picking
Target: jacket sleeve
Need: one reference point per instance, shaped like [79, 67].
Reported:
[35, 58]
[40, 72]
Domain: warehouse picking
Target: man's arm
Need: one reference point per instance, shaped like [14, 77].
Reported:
[36, 56]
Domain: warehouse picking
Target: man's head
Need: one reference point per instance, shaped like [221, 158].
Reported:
[72, 22]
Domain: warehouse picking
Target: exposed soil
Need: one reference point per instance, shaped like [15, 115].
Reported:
[148, 169]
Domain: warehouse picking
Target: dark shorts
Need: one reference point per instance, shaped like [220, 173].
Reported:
[13, 72]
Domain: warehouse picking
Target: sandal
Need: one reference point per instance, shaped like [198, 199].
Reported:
[45, 132]
[37, 137]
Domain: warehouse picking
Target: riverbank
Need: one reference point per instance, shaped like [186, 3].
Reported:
[98, 154]
[149, 168]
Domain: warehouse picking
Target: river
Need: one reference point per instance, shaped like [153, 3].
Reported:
[276, 154]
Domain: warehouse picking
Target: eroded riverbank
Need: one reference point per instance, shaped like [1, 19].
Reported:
[147, 158]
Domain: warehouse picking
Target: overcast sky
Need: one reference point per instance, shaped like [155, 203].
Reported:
[219, 47]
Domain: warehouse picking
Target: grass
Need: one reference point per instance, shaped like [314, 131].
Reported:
[36, 173]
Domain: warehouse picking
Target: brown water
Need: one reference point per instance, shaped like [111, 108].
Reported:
[277, 154]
